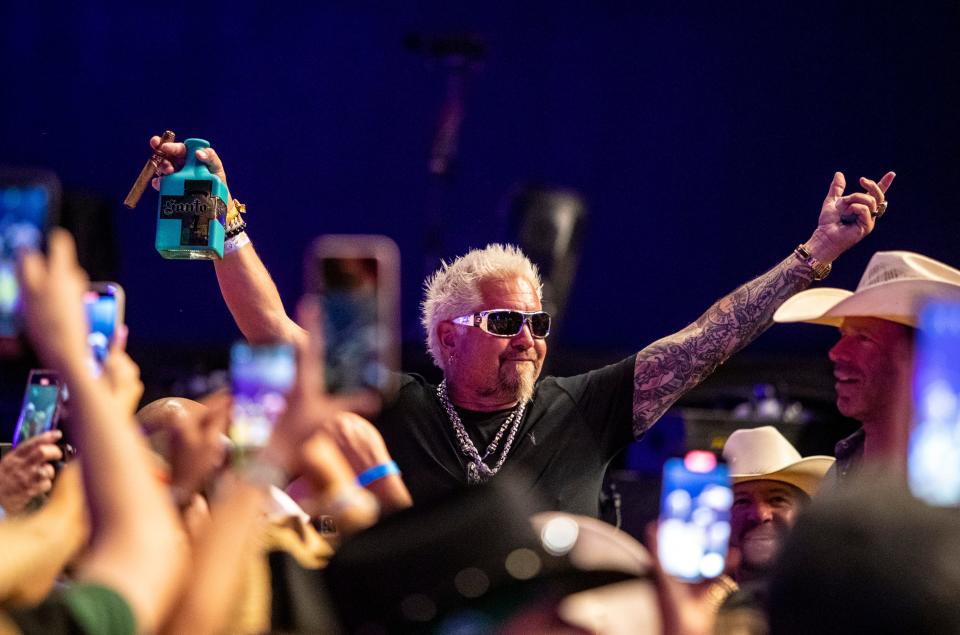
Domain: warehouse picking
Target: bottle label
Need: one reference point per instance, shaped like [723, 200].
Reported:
[195, 209]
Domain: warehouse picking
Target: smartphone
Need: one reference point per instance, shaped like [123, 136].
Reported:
[41, 405]
[104, 303]
[29, 205]
[357, 279]
[694, 528]
[933, 459]
[261, 377]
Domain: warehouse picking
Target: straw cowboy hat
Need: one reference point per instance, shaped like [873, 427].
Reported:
[755, 454]
[895, 286]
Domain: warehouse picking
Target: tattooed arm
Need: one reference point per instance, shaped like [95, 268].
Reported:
[669, 367]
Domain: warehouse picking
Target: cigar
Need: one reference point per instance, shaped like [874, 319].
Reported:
[150, 170]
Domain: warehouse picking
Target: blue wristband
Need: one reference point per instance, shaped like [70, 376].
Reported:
[377, 472]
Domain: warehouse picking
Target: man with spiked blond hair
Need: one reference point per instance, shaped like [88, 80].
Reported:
[492, 412]
[487, 332]
[455, 290]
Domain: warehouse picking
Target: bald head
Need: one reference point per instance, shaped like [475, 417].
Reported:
[161, 418]
[168, 412]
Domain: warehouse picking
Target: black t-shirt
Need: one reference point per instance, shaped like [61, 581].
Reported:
[570, 431]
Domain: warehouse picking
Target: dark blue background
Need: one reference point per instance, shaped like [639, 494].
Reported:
[703, 137]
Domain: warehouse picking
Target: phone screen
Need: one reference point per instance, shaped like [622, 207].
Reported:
[38, 414]
[352, 324]
[104, 304]
[357, 280]
[934, 454]
[24, 211]
[694, 528]
[102, 311]
[261, 377]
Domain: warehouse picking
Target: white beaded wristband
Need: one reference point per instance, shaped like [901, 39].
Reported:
[231, 245]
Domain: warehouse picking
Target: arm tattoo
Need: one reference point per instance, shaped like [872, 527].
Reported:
[671, 366]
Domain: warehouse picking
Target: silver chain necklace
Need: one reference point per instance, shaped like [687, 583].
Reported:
[477, 470]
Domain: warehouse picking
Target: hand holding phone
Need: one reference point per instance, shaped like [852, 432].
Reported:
[104, 303]
[357, 279]
[933, 462]
[694, 526]
[261, 377]
[27, 472]
[40, 410]
[29, 203]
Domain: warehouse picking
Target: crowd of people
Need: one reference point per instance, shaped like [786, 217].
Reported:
[470, 506]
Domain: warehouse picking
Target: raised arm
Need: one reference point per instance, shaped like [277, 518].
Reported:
[137, 544]
[671, 366]
[245, 283]
[253, 300]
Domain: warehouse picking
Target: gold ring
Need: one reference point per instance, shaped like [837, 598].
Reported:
[881, 209]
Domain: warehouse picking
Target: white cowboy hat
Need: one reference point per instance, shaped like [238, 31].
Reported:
[755, 454]
[895, 286]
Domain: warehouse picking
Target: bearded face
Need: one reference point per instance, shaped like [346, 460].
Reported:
[763, 514]
[497, 371]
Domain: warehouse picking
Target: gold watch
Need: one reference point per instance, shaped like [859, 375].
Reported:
[820, 269]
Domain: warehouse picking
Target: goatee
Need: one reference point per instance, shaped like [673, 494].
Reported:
[520, 385]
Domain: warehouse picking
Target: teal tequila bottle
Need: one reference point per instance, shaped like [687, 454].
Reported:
[192, 210]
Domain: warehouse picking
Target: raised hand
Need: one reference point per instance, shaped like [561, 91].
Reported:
[308, 410]
[847, 219]
[176, 154]
[309, 407]
[685, 608]
[53, 288]
[122, 375]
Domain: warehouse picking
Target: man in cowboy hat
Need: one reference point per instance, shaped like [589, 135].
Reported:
[873, 361]
[771, 485]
